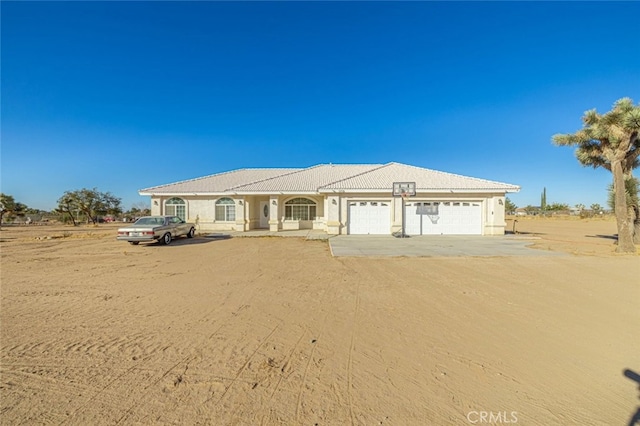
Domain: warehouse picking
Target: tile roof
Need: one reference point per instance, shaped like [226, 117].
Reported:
[328, 178]
[217, 183]
[382, 178]
[307, 180]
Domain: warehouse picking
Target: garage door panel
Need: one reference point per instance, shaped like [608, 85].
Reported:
[432, 225]
[443, 218]
[369, 217]
[417, 222]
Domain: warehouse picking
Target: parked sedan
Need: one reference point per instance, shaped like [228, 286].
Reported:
[161, 228]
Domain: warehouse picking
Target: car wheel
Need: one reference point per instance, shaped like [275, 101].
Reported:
[166, 239]
[134, 243]
[191, 233]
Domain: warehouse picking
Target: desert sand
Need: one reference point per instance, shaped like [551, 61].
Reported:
[274, 331]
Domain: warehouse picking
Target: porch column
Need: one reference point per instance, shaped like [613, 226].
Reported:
[241, 220]
[333, 215]
[396, 223]
[495, 223]
[274, 213]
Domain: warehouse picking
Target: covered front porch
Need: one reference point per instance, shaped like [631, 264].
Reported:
[282, 212]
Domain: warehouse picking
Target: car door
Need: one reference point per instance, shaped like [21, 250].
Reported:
[177, 226]
[184, 227]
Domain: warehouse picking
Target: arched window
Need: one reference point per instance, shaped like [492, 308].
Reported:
[176, 207]
[300, 209]
[225, 210]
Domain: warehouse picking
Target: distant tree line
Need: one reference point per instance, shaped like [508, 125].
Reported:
[11, 208]
[83, 205]
[90, 202]
[544, 208]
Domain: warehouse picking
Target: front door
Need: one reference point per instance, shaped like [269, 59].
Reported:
[264, 214]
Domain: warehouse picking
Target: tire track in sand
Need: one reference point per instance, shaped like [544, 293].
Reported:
[331, 286]
[282, 372]
[244, 366]
[128, 412]
[364, 276]
[97, 394]
[351, 349]
[248, 292]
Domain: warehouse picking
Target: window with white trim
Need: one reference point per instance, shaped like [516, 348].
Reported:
[225, 210]
[300, 209]
[176, 207]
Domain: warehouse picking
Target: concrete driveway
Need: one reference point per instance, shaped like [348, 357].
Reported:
[434, 246]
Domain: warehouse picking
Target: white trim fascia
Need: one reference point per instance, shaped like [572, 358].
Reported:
[276, 192]
[332, 191]
[421, 190]
[227, 193]
[182, 194]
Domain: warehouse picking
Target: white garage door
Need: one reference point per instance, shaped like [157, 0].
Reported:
[369, 217]
[443, 218]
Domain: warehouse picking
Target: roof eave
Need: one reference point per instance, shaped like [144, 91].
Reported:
[305, 192]
[420, 190]
[179, 194]
[230, 192]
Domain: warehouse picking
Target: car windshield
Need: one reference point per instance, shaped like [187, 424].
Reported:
[150, 221]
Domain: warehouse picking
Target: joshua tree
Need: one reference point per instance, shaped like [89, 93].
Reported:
[611, 140]
[632, 194]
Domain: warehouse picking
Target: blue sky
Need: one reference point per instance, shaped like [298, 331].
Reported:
[127, 95]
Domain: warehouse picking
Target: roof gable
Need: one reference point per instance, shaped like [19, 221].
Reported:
[382, 178]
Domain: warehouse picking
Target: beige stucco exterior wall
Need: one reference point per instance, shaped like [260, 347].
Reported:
[202, 212]
[331, 211]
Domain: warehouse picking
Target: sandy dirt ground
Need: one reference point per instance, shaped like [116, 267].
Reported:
[274, 331]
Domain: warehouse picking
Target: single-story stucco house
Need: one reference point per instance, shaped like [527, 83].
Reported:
[337, 199]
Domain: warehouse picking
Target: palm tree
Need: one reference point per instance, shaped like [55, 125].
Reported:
[612, 141]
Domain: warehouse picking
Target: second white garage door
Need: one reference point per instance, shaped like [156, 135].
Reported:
[369, 217]
[443, 218]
